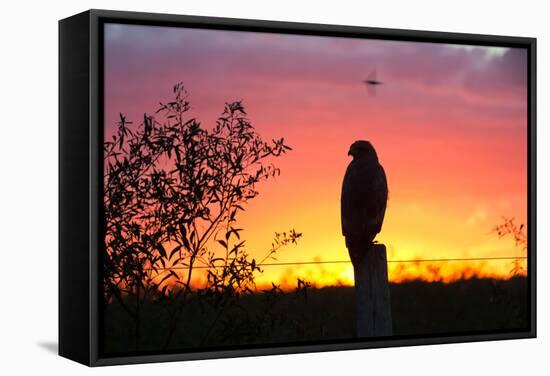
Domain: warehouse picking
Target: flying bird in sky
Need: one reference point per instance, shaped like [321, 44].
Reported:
[372, 82]
[363, 201]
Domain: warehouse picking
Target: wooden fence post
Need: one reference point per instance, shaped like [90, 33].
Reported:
[372, 294]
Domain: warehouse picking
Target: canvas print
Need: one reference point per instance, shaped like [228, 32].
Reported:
[267, 189]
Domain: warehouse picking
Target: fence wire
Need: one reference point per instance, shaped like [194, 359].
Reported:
[293, 263]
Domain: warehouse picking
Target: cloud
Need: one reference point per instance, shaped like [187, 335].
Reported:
[261, 59]
[478, 217]
[489, 52]
[430, 90]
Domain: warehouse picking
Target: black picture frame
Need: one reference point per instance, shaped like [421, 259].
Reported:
[80, 166]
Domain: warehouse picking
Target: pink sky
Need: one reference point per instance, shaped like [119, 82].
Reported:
[449, 124]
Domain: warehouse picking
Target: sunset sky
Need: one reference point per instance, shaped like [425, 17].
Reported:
[449, 125]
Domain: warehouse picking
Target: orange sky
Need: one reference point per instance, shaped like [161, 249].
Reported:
[449, 125]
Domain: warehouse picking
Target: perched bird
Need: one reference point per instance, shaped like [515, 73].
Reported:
[363, 201]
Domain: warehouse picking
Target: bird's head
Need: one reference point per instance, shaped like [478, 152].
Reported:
[362, 149]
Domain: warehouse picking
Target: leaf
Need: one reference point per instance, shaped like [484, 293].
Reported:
[174, 251]
[223, 243]
[161, 249]
[174, 274]
[236, 231]
[237, 246]
[164, 278]
[184, 239]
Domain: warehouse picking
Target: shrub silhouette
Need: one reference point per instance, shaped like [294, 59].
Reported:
[172, 191]
[509, 227]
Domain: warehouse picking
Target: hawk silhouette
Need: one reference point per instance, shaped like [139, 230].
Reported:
[363, 201]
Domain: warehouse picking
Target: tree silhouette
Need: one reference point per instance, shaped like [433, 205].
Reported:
[172, 190]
